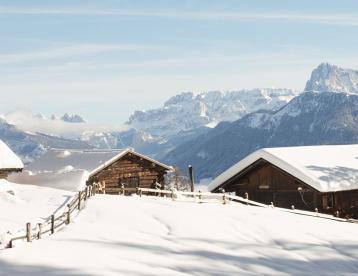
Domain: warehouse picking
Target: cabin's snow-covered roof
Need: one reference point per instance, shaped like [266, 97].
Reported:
[90, 160]
[327, 168]
[8, 159]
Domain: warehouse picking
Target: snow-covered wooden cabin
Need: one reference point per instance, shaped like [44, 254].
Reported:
[117, 168]
[307, 177]
[9, 161]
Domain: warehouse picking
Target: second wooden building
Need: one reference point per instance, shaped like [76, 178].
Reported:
[116, 169]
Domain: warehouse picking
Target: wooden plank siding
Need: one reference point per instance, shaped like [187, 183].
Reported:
[4, 173]
[267, 183]
[130, 166]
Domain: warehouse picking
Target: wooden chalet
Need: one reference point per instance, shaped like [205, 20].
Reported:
[308, 177]
[114, 169]
[9, 161]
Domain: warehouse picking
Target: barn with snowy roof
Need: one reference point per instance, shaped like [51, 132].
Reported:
[116, 168]
[9, 161]
[306, 177]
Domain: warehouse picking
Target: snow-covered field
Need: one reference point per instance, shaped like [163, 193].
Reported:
[22, 203]
[117, 235]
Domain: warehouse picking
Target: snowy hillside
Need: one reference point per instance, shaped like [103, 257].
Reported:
[162, 237]
[331, 78]
[20, 203]
[188, 111]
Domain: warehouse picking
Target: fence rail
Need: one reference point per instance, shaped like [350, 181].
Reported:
[225, 198]
[52, 223]
[78, 202]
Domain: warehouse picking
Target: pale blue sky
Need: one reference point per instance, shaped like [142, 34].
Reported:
[104, 59]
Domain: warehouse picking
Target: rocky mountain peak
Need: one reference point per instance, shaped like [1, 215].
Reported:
[73, 118]
[331, 78]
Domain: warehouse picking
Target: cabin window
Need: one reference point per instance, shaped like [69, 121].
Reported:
[129, 182]
[328, 201]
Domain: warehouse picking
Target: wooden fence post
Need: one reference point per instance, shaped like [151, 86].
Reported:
[191, 176]
[224, 198]
[69, 214]
[86, 193]
[28, 232]
[247, 198]
[103, 187]
[52, 224]
[11, 244]
[39, 234]
[172, 195]
[79, 200]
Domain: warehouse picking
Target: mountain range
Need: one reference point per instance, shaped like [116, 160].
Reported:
[187, 111]
[329, 116]
[154, 132]
[210, 130]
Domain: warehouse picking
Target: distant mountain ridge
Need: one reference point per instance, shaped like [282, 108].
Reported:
[29, 146]
[311, 118]
[187, 111]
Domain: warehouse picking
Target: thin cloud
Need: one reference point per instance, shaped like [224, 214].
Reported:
[331, 19]
[26, 121]
[73, 50]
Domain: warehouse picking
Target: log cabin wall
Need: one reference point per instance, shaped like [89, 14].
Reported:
[4, 174]
[346, 202]
[266, 183]
[132, 171]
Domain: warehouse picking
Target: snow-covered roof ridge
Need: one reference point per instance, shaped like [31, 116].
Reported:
[89, 160]
[8, 159]
[124, 152]
[326, 168]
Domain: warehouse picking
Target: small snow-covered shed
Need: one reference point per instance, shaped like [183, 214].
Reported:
[308, 177]
[9, 161]
[117, 168]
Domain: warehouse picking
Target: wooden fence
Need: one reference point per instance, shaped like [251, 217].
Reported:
[78, 202]
[226, 198]
[52, 223]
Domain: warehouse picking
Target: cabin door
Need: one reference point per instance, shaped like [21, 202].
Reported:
[130, 182]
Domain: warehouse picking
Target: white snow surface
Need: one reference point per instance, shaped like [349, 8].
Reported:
[8, 159]
[327, 168]
[20, 204]
[69, 180]
[161, 237]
